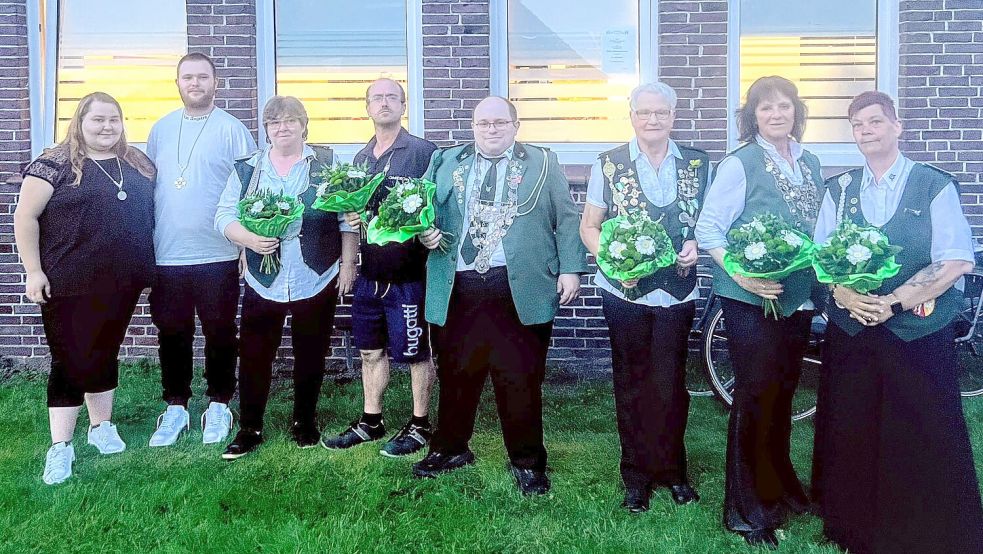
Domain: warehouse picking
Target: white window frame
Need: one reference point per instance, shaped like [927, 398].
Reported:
[843, 154]
[584, 153]
[266, 69]
[42, 72]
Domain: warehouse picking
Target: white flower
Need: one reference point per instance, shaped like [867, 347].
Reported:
[256, 207]
[322, 188]
[755, 250]
[857, 253]
[791, 239]
[283, 206]
[625, 224]
[412, 203]
[757, 226]
[617, 249]
[403, 187]
[872, 235]
[355, 174]
[645, 245]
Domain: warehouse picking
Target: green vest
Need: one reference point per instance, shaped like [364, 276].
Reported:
[320, 239]
[911, 228]
[679, 218]
[765, 196]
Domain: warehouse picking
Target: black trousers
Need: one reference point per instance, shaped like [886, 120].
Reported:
[84, 334]
[483, 335]
[211, 290]
[761, 485]
[894, 466]
[312, 321]
[648, 354]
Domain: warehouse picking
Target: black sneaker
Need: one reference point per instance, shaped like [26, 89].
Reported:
[411, 438]
[244, 442]
[357, 433]
[532, 482]
[435, 463]
[305, 434]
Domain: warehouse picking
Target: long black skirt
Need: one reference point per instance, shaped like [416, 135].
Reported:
[893, 469]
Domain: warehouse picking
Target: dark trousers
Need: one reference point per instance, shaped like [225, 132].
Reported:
[312, 321]
[648, 355]
[84, 334]
[761, 484]
[893, 463]
[211, 290]
[483, 335]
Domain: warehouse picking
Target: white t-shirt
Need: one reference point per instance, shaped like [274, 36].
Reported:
[184, 233]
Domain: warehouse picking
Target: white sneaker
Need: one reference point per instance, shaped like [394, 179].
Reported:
[216, 423]
[170, 424]
[106, 439]
[58, 463]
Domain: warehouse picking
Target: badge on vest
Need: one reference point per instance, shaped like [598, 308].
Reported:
[924, 309]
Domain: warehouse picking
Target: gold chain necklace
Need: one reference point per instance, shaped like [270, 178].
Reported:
[181, 182]
[119, 184]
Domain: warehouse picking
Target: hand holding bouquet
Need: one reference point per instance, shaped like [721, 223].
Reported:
[767, 248]
[856, 257]
[345, 188]
[406, 212]
[268, 215]
[633, 247]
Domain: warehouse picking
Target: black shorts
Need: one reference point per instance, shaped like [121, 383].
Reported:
[391, 314]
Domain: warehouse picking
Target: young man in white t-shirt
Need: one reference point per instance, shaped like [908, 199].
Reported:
[197, 268]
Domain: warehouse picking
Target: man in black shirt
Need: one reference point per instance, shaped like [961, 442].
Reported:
[388, 305]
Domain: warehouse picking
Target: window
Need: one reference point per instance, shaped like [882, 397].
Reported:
[132, 58]
[571, 66]
[328, 52]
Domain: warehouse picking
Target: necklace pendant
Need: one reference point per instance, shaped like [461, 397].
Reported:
[180, 182]
[121, 195]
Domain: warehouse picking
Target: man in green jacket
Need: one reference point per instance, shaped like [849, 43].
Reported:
[505, 254]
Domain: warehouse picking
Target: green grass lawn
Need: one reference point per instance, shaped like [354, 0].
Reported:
[282, 499]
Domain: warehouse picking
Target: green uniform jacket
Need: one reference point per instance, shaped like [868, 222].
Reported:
[543, 242]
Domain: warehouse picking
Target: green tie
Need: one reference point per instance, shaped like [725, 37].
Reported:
[486, 195]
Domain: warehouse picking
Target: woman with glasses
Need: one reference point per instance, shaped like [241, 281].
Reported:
[769, 174]
[317, 264]
[84, 226]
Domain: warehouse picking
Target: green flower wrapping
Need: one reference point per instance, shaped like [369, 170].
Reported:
[268, 215]
[767, 248]
[856, 257]
[345, 188]
[406, 212]
[632, 248]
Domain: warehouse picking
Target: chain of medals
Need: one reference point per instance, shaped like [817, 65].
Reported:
[181, 182]
[121, 194]
[802, 200]
[489, 221]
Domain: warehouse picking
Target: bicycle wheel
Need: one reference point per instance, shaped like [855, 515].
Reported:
[969, 343]
[719, 370]
[696, 383]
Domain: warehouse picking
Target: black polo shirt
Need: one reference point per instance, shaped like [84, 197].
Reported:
[409, 156]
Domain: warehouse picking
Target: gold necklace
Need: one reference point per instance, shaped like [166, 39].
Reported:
[181, 182]
[119, 184]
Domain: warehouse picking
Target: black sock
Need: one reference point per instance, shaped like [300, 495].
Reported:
[372, 420]
[422, 421]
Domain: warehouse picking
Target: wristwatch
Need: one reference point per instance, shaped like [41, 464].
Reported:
[896, 308]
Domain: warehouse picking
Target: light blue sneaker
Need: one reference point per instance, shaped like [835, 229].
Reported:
[216, 423]
[58, 463]
[106, 439]
[170, 424]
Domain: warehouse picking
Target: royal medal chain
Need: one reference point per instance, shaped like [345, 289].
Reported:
[119, 184]
[181, 182]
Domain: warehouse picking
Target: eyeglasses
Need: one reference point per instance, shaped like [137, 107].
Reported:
[499, 125]
[389, 98]
[285, 122]
[660, 115]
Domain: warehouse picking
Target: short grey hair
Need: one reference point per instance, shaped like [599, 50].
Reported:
[656, 87]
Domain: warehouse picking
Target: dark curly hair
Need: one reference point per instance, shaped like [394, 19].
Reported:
[766, 88]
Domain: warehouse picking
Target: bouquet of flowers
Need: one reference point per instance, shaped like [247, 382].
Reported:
[856, 257]
[632, 248]
[268, 215]
[345, 188]
[767, 248]
[407, 211]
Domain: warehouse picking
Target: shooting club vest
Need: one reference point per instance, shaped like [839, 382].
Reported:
[623, 195]
[320, 236]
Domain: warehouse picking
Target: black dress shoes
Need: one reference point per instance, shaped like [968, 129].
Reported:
[761, 537]
[244, 442]
[683, 494]
[435, 463]
[305, 433]
[530, 481]
[636, 500]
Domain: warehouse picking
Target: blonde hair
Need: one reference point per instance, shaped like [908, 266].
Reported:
[74, 143]
[279, 107]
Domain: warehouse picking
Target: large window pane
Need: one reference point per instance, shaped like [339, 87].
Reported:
[327, 53]
[828, 49]
[131, 57]
[572, 66]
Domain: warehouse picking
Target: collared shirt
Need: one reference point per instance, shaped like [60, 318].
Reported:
[660, 187]
[295, 281]
[479, 168]
[879, 200]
